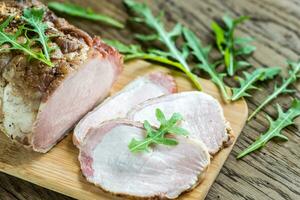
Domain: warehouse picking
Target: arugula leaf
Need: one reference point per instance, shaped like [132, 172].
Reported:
[136, 52]
[246, 84]
[34, 18]
[12, 40]
[283, 120]
[167, 38]
[231, 47]
[201, 53]
[77, 11]
[157, 136]
[131, 51]
[294, 74]
[220, 36]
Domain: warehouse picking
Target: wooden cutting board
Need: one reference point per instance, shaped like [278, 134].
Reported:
[59, 169]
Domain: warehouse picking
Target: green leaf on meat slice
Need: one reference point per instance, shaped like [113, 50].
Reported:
[158, 136]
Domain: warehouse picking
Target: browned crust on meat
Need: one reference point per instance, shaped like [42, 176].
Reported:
[65, 27]
[231, 137]
[165, 80]
[73, 48]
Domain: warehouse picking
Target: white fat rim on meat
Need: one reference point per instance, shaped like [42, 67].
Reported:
[19, 116]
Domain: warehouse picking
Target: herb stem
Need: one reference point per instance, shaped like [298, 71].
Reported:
[43, 42]
[16, 45]
[283, 120]
[175, 53]
[165, 37]
[270, 98]
[151, 139]
[195, 44]
[277, 91]
[166, 61]
[231, 64]
[157, 135]
[237, 95]
[222, 89]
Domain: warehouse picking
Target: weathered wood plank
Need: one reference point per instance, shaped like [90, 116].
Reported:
[272, 173]
[12, 188]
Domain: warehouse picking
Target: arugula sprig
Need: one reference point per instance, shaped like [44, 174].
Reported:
[77, 11]
[12, 40]
[231, 47]
[34, 18]
[247, 83]
[201, 53]
[146, 16]
[135, 52]
[157, 136]
[294, 74]
[283, 120]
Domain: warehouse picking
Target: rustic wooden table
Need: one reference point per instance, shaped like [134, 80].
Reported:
[272, 173]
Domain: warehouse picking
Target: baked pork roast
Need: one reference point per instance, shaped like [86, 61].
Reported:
[202, 116]
[118, 105]
[163, 173]
[39, 104]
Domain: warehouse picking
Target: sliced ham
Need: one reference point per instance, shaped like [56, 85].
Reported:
[163, 173]
[39, 104]
[202, 116]
[117, 106]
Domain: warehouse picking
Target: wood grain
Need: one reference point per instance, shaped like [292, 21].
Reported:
[273, 172]
[59, 169]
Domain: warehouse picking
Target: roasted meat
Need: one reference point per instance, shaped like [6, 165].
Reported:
[39, 104]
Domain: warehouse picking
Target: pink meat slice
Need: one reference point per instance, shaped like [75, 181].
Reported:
[202, 116]
[163, 173]
[117, 106]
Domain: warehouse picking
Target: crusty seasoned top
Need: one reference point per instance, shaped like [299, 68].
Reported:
[73, 47]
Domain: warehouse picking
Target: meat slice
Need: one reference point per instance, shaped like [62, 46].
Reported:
[202, 116]
[163, 173]
[117, 106]
[39, 104]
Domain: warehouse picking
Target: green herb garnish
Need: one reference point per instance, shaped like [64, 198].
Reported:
[247, 83]
[77, 11]
[231, 47]
[283, 120]
[157, 136]
[26, 47]
[293, 76]
[135, 52]
[146, 16]
[34, 18]
[201, 53]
